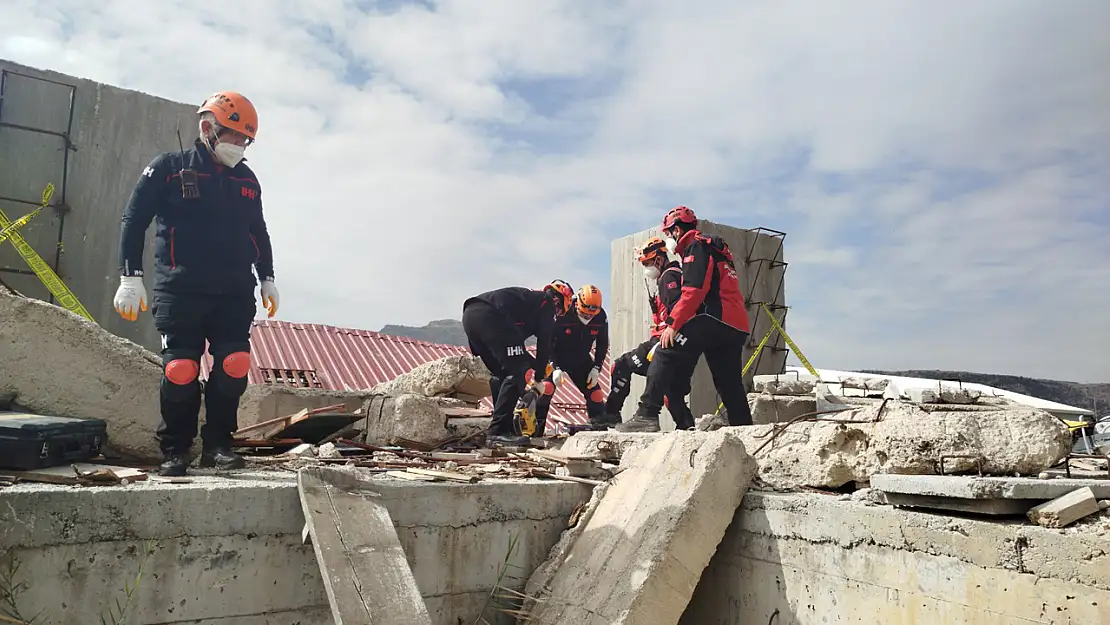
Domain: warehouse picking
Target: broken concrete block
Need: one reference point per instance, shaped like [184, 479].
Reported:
[906, 440]
[780, 408]
[865, 384]
[643, 550]
[942, 395]
[263, 402]
[1065, 510]
[55, 362]
[414, 417]
[990, 487]
[784, 387]
[459, 376]
[710, 422]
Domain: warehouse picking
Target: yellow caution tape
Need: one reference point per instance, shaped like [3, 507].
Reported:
[793, 346]
[775, 325]
[66, 298]
[47, 193]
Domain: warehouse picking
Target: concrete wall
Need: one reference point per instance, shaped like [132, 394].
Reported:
[809, 559]
[228, 551]
[114, 133]
[760, 265]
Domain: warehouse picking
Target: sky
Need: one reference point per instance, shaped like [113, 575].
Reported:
[940, 169]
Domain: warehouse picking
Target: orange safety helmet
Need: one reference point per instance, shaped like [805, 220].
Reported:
[588, 299]
[651, 249]
[563, 295]
[232, 110]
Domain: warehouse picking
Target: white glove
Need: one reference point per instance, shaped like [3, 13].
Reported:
[557, 377]
[130, 297]
[591, 379]
[270, 298]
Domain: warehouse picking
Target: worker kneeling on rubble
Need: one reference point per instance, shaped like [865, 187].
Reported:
[209, 233]
[709, 318]
[496, 324]
[575, 335]
[667, 276]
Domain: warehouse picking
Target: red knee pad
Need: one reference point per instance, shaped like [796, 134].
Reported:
[182, 371]
[548, 387]
[597, 396]
[237, 364]
[528, 377]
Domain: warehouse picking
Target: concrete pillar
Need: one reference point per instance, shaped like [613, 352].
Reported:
[759, 262]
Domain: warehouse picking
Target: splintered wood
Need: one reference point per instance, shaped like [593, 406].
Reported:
[366, 576]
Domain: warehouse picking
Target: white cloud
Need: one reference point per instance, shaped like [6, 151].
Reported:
[936, 169]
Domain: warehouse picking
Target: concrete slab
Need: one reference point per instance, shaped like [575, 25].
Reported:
[990, 487]
[228, 548]
[992, 507]
[365, 573]
[642, 550]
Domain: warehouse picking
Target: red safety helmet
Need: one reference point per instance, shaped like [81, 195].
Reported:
[679, 215]
[651, 249]
[563, 295]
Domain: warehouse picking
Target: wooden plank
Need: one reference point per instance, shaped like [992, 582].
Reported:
[445, 475]
[251, 429]
[416, 477]
[366, 576]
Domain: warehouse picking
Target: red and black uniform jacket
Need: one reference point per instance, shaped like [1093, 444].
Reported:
[207, 244]
[710, 285]
[573, 340]
[669, 287]
[531, 311]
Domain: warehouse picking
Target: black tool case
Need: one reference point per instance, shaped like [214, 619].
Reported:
[31, 441]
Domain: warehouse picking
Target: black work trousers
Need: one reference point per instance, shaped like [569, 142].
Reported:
[636, 362]
[578, 371]
[500, 345]
[186, 322]
[723, 347]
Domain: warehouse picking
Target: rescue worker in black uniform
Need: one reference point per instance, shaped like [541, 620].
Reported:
[575, 336]
[210, 232]
[496, 324]
[709, 318]
[667, 275]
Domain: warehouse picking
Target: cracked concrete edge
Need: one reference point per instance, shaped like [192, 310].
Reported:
[50, 515]
[1010, 545]
[539, 581]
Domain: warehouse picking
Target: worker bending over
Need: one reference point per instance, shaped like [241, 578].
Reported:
[496, 324]
[709, 318]
[210, 232]
[667, 276]
[575, 336]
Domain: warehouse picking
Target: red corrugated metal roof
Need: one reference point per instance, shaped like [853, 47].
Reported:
[348, 359]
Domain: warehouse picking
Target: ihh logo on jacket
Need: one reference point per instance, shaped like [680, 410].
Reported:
[251, 193]
[515, 350]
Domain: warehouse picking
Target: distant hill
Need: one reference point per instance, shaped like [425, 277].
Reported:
[1071, 393]
[445, 331]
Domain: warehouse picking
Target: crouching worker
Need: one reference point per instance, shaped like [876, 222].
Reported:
[667, 276]
[210, 232]
[496, 324]
[709, 318]
[578, 351]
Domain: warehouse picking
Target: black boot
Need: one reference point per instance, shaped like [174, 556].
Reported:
[606, 419]
[507, 440]
[174, 465]
[221, 458]
[639, 424]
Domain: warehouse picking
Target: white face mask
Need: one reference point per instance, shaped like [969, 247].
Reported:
[228, 153]
[585, 320]
[672, 245]
[652, 272]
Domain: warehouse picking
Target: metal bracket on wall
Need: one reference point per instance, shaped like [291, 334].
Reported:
[61, 208]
